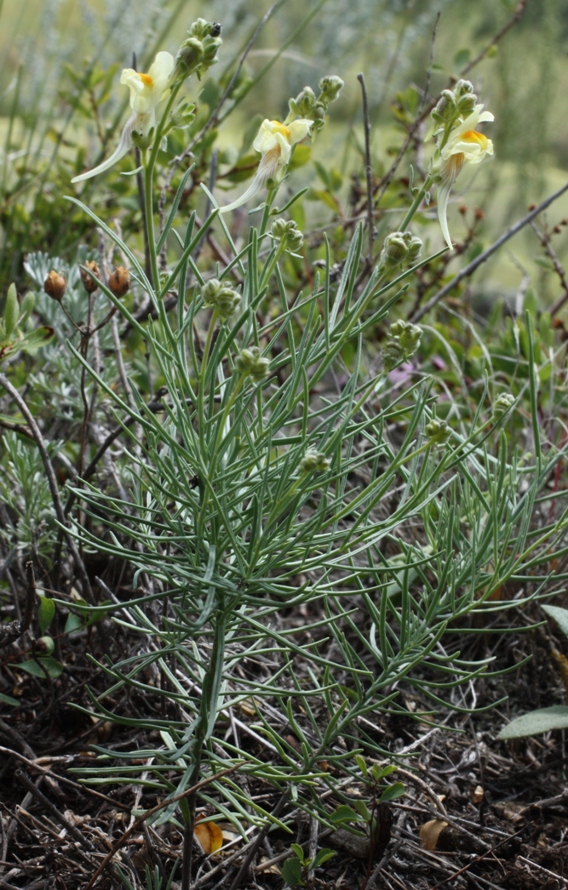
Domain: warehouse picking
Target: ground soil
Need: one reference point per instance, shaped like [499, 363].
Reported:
[498, 811]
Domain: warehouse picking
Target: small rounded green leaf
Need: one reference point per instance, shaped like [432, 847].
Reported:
[393, 791]
[322, 857]
[559, 615]
[11, 311]
[344, 813]
[40, 666]
[542, 720]
[45, 612]
[292, 872]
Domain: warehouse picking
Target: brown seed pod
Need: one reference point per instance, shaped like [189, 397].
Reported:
[54, 285]
[88, 283]
[119, 281]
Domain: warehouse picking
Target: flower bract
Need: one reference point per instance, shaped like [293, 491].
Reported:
[146, 92]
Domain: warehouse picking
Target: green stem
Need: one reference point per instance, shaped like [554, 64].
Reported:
[270, 267]
[416, 203]
[206, 348]
[267, 208]
[210, 693]
[148, 194]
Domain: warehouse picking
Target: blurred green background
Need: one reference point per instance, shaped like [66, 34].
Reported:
[523, 81]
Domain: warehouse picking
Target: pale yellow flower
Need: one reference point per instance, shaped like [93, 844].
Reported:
[274, 143]
[146, 93]
[464, 145]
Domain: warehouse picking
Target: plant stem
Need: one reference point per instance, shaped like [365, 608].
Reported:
[416, 203]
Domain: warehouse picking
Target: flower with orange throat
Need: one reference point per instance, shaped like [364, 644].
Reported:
[146, 93]
[463, 145]
[274, 142]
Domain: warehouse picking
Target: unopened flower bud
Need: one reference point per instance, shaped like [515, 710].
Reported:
[314, 462]
[119, 281]
[250, 363]
[199, 51]
[414, 250]
[399, 248]
[408, 334]
[393, 354]
[45, 645]
[226, 300]
[304, 103]
[288, 233]
[395, 248]
[54, 285]
[467, 103]
[89, 283]
[438, 432]
[445, 109]
[330, 87]
[403, 341]
[503, 403]
[464, 88]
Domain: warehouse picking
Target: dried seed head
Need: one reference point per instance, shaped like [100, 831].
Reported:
[119, 281]
[88, 283]
[54, 285]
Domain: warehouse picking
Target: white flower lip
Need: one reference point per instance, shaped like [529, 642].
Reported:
[274, 142]
[146, 92]
[464, 145]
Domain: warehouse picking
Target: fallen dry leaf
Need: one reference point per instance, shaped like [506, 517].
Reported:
[209, 835]
[430, 832]
[478, 794]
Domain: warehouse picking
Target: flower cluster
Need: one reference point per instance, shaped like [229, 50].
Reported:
[403, 339]
[502, 404]
[288, 233]
[437, 432]
[198, 52]
[195, 56]
[314, 462]
[307, 106]
[221, 297]
[250, 363]
[276, 140]
[399, 249]
[458, 142]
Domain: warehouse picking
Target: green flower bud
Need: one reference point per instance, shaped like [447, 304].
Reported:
[399, 248]
[438, 432]
[445, 109]
[199, 51]
[314, 462]
[304, 103]
[403, 341]
[226, 300]
[464, 88]
[414, 250]
[466, 104]
[395, 248]
[409, 335]
[250, 363]
[393, 354]
[288, 233]
[503, 403]
[330, 88]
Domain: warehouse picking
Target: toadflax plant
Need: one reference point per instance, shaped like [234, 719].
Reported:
[276, 471]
